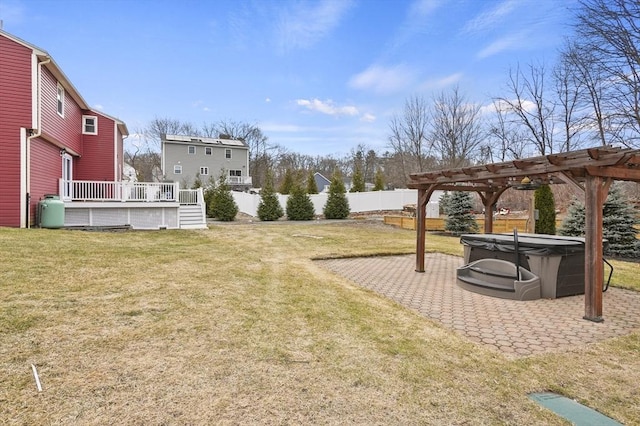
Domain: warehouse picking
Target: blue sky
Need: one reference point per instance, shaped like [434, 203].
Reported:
[318, 77]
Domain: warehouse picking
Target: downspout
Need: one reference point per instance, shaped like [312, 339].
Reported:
[37, 134]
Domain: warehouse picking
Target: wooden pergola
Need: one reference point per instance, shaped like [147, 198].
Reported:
[590, 172]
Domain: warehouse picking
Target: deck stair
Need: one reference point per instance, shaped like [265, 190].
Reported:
[192, 216]
[499, 278]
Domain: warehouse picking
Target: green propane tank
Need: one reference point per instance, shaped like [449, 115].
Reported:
[51, 212]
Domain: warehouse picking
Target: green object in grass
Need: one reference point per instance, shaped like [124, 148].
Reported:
[571, 410]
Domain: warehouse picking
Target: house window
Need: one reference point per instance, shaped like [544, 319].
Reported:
[208, 150]
[60, 100]
[237, 173]
[227, 153]
[177, 169]
[89, 125]
[192, 149]
[204, 171]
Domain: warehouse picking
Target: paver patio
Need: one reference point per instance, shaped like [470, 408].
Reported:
[516, 328]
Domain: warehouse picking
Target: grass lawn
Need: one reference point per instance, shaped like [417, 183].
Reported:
[237, 325]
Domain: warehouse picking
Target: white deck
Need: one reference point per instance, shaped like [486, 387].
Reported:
[141, 205]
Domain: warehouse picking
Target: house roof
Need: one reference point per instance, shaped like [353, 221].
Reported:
[204, 141]
[57, 72]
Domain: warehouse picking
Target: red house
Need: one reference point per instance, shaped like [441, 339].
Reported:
[48, 133]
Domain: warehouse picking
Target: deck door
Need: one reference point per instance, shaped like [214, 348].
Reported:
[67, 176]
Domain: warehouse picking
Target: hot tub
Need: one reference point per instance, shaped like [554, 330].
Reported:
[557, 260]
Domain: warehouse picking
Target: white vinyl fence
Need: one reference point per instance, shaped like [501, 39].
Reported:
[358, 201]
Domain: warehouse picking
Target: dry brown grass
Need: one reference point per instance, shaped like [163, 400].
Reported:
[236, 325]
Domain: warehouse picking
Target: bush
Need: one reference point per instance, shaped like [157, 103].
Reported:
[312, 188]
[378, 181]
[545, 204]
[357, 184]
[269, 208]
[287, 182]
[460, 219]
[220, 202]
[299, 205]
[337, 206]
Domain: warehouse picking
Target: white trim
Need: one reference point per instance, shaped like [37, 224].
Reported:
[177, 169]
[67, 177]
[205, 168]
[195, 150]
[84, 124]
[23, 177]
[34, 91]
[162, 162]
[60, 92]
[229, 150]
[117, 163]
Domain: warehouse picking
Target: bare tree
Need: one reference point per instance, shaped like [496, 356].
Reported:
[592, 93]
[456, 128]
[570, 113]
[610, 31]
[409, 136]
[531, 107]
[506, 140]
[167, 126]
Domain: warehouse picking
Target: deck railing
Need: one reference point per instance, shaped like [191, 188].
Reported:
[239, 180]
[85, 190]
[191, 196]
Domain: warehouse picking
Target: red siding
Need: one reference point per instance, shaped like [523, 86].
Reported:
[46, 171]
[68, 129]
[98, 152]
[15, 112]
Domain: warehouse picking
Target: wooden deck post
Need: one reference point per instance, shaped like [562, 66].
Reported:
[596, 190]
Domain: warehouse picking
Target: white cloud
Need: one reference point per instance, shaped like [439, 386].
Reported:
[383, 80]
[510, 42]
[368, 118]
[306, 23]
[327, 107]
[442, 82]
[267, 100]
[490, 18]
[504, 107]
[99, 107]
[415, 22]
[421, 8]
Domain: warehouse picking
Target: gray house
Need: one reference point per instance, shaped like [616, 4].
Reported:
[184, 158]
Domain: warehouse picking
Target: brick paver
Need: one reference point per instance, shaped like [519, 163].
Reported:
[516, 328]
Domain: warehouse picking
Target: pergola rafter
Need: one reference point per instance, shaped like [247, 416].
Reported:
[589, 171]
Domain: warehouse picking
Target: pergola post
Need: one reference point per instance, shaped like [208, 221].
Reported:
[489, 199]
[488, 215]
[421, 213]
[421, 225]
[596, 190]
